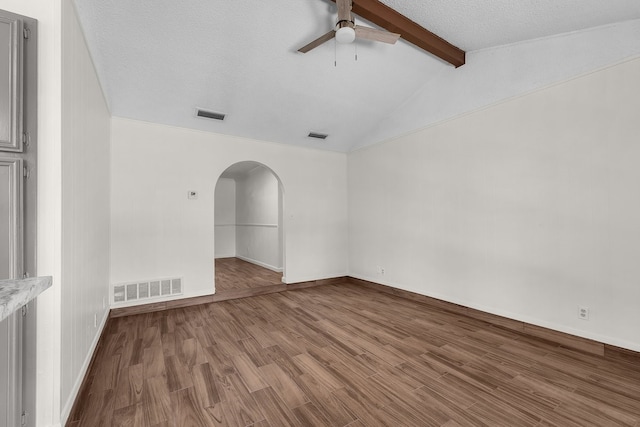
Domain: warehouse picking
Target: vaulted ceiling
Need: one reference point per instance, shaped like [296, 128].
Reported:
[160, 60]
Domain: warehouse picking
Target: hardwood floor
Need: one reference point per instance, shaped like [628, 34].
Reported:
[344, 355]
[234, 273]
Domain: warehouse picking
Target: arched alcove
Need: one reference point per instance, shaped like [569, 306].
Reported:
[249, 232]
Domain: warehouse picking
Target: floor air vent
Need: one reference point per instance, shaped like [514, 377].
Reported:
[125, 292]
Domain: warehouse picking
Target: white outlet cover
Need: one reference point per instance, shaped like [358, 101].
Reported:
[583, 313]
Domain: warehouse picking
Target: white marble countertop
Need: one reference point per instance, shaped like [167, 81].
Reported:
[14, 293]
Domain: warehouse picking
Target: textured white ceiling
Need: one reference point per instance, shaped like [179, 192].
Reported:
[160, 60]
[473, 25]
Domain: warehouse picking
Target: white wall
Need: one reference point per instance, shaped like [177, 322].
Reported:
[526, 209]
[257, 219]
[47, 12]
[225, 218]
[157, 232]
[86, 124]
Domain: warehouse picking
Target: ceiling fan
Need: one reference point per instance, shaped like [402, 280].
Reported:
[346, 31]
[394, 22]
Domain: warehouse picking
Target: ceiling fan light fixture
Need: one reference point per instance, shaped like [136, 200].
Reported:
[345, 35]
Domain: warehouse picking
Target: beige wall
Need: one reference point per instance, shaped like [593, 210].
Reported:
[525, 209]
[225, 218]
[86, 124]
[257, 219]
[157, 232]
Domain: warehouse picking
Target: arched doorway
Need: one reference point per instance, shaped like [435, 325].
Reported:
[249, 232]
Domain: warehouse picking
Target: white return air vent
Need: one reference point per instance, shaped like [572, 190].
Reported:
[146, 290]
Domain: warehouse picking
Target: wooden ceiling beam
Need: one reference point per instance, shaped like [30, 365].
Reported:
[391, 20]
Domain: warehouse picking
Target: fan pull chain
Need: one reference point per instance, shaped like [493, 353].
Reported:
[335, 52]
[355, 48]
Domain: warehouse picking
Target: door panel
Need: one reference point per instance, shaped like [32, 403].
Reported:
[10, 218]
[10, 267]
[11, 34]
[10, 371]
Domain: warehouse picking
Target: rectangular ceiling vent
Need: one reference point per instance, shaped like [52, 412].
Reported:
[318, 135]
[148, 289]
[210, 114]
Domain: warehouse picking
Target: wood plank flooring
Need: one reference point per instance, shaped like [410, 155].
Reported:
[344, 355]
[234, 273]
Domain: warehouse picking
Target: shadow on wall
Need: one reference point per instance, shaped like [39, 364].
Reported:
[249, 215]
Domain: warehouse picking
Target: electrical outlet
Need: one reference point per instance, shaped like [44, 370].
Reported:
[583, 312]
[95, 320]
[382, 270]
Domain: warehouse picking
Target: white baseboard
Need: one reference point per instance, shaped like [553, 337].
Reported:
[260, 263]
[302, 279]
[66, 409]
[633, 346]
